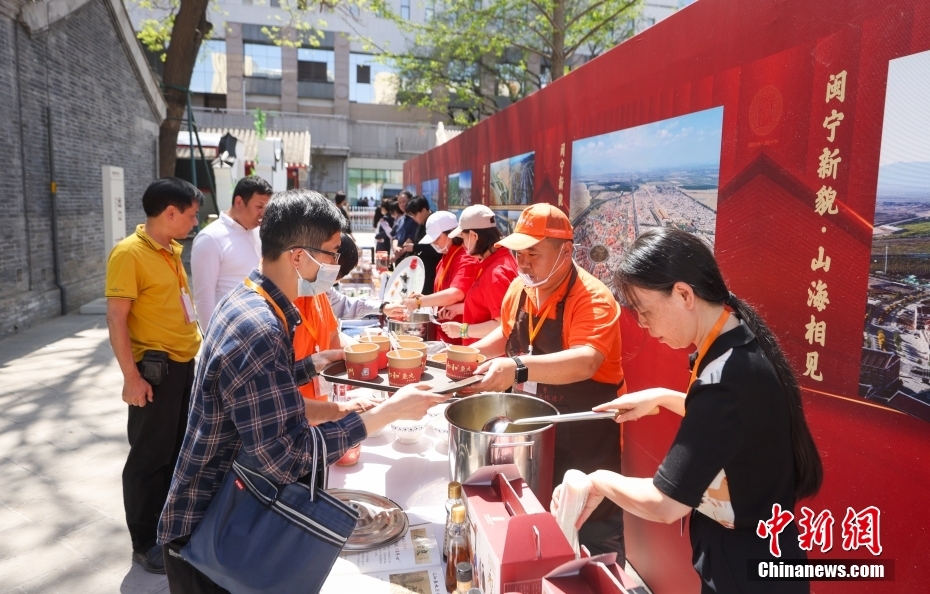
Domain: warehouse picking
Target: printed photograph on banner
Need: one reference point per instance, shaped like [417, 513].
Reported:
[506, 220]
[663, 174]
[430, 190]
[460, 189]
[512, 181]
[895, 366]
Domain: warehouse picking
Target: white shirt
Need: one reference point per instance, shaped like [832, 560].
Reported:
[224, 253]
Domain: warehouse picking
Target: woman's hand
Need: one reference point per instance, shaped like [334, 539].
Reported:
[595, 497]
[450, 312]
[410, 303]
[636, 404]
[451, 328]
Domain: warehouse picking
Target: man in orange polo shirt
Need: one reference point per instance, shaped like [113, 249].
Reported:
[560, 332]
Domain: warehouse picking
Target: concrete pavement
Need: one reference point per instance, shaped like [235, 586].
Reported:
[62, 449]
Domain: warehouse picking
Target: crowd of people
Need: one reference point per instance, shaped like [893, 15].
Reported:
[225, 374]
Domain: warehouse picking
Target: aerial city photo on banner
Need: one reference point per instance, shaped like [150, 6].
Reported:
[895, 369]
[663, 174]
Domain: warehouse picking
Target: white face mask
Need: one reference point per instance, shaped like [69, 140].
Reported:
[325, 279]
[439, 249]
[528, 280]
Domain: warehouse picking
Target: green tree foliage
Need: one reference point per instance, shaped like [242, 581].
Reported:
[471, 58]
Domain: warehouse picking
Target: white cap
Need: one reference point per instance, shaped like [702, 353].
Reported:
[477, 216]
[437, 224]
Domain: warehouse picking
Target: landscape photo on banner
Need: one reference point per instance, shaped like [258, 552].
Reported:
[460, 189]
[663, 174]
[512, 181]
[895, 365]
[430, 190]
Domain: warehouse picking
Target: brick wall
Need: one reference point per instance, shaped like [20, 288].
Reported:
[100, 116]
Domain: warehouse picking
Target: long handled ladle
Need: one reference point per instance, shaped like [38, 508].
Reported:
[500, 424]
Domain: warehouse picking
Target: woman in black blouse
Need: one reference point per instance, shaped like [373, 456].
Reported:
[743, 445]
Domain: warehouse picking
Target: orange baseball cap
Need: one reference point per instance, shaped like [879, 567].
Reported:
[536, 223]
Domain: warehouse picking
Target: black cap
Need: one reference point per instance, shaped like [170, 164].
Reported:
[463, 572]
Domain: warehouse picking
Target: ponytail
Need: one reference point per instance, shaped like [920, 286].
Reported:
[657, 260]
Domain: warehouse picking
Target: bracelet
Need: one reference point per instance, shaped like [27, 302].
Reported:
[463, 331]
[418, 302]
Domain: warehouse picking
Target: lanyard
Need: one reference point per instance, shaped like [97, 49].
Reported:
[261, 291]
[174, 269]
[714, 333]
[311, 328]
[446, 268]
[535, 331]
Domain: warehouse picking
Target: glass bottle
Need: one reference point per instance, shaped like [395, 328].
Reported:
[455, 496]
[463, 577]
[459, 545]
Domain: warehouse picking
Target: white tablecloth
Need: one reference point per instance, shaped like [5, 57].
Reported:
[416, 477]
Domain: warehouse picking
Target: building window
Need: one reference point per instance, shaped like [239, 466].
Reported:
[315, 65]
[261, 61]
[373, 183]
[429, 10]
[371, 81]
[363, 74]
[209, 74]
[405, 9]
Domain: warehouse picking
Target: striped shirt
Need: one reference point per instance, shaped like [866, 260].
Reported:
[245, 395]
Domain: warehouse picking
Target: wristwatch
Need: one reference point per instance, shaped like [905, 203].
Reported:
[521, 374]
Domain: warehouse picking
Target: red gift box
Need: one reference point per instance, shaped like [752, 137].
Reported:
[591, 575]
[516, 541]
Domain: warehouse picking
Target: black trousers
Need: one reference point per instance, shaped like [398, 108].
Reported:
[184, 578]
[155, 431]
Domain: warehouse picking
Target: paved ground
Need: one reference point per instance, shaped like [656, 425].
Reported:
[62, 448]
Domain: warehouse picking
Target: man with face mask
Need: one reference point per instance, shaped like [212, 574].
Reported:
[559, 331]
[454, 274]
[245, 397]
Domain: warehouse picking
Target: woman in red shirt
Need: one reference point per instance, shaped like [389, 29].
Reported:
[455, 273]
[481, 310]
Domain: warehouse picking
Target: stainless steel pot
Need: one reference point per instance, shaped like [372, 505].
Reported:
[417, 325]
[533, 451]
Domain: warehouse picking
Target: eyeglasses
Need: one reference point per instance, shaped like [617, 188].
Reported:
[333, 255]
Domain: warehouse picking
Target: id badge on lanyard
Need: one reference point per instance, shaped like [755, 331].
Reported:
[188, 306]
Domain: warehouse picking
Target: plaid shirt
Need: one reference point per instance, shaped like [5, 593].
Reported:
[245, 394]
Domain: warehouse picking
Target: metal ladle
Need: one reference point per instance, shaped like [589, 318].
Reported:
[498, 424]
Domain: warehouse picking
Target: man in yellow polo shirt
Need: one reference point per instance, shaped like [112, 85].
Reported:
[154, 335]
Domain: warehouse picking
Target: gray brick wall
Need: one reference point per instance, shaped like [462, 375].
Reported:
[100, 116]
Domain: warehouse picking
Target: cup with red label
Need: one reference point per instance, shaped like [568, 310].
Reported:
[404, 367]
[413, 345]
[462, 361]
[384, 345]
[362, 361]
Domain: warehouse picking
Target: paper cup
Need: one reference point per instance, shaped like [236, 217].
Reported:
[462, 361]
[409, 337]
[404, 367]
[384, 345]
[362, 361]
[420, 347]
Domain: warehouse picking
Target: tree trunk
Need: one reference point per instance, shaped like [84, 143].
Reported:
[190, 27]
[558, 40]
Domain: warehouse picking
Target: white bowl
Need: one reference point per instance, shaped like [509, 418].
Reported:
[438, 411]
[440, 427]
[408, 432]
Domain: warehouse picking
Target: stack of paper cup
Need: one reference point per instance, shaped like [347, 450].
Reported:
[575, 487]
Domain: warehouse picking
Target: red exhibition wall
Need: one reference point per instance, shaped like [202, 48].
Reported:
[768, 63]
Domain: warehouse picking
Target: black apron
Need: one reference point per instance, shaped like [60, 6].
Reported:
[585, 445]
